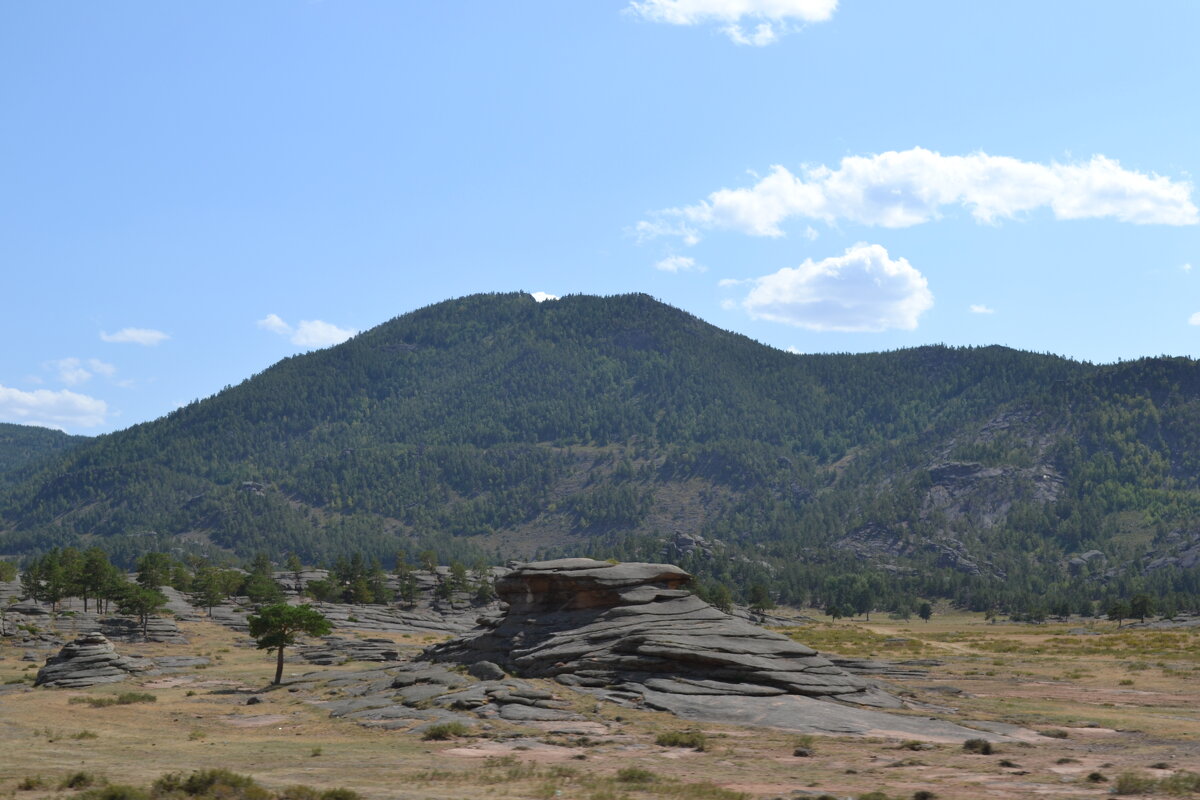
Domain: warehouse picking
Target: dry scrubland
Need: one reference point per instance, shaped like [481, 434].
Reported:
[1118, 711]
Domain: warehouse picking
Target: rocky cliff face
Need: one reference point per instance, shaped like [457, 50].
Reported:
[634, 629]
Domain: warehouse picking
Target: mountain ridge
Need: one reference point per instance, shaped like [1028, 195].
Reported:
[494, 425]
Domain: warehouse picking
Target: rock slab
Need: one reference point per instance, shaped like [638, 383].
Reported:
[89, 660]
[631, 626]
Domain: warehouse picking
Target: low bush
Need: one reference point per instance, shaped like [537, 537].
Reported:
[980, 747]
[116, 791]
[209, 783]
[693, 739]
[636, 775]
[444, 731]
[122, 699]
[1133, 783]
[78, 780]
[1182, 782]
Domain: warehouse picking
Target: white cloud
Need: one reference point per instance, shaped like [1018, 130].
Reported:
[1194, 319]
[796, 351]
[317, 333]
[900, 189]
[59, 409]
[1186, 267]
[143, 336]
[862, 290]
[680, 264]
[70, 371]
[310, 333]
[101, 368]
[274, 324]
[542, 297]
[977, 308]
[774, 18]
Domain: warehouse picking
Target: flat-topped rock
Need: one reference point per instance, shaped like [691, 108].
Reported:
[89, 660]
[596, 624]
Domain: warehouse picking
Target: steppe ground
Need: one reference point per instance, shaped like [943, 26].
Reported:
[1109, 703]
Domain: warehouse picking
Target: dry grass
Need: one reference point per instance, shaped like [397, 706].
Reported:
[1019, 674]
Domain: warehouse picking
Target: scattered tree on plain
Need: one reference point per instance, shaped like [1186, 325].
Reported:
[277, 626]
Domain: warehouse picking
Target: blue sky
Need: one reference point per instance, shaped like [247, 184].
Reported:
[190, 191]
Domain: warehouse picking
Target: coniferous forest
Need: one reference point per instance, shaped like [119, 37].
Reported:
[493, 427]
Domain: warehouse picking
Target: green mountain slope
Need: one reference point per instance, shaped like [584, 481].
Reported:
[621, 426]
[22, 445]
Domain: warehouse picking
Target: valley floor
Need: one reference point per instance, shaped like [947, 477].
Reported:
[1111, 706]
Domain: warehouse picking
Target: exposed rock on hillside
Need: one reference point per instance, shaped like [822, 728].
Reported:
[632, 627]
[87, 661]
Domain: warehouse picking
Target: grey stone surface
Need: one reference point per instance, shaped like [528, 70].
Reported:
[595, 623]
[89, 660]
[809, 715]
[403, 696]
[486, 671]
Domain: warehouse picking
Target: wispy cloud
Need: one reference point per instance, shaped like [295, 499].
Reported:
[542, 297]
[749, 22]
[977, 308]
[310, 333]
[74, 371]
[143, 336]
[911, 187]
[862, 290]
[679, 264]
[1194, 319]
[61, 409]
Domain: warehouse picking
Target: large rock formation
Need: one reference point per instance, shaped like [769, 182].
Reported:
[635, 632]
[87, 661]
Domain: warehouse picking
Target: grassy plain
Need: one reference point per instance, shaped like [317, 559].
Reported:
[1108, 703]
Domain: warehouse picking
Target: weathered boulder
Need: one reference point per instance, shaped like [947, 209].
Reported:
[633, 626]
[89, 660]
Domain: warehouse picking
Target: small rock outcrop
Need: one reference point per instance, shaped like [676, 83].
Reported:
[634, 631]
[89, 660]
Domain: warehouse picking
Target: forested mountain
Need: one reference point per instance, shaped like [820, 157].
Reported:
[619, 426]
[21, 445]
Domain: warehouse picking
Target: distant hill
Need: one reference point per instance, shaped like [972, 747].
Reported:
[493, 425]
[21, 445]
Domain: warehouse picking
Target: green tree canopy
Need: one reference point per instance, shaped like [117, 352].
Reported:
[277, 626]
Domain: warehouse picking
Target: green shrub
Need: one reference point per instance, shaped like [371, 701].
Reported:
[445, 730]
[636, 775]
[1055, 733]
[78, 780]
[122, 699]
[114, 792]
[1133, 783]
[209, 783]
[340, 794]
[693, 739]
[31, 782]
[1182, 782]
[978, 746]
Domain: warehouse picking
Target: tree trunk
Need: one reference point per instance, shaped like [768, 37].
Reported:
[279, 667]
